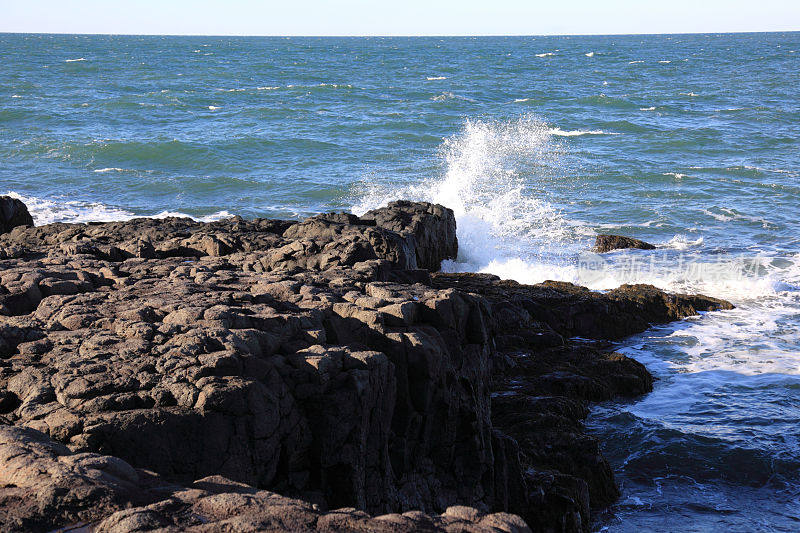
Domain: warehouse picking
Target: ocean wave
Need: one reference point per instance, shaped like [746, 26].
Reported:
[682, 242]
[450, 96]
[520, 100]
[109, 169]
[482, 181]
[590, 54]
[577, 133]
[726, 214]
[50, 210]
[74, 60]
[219, 215]
[46, 211]
[546, 54]
[436, 78]
[651, 108]
[213, 107]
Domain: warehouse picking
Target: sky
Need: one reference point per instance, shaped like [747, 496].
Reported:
[403, 17]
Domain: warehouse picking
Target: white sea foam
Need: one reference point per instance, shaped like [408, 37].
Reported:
[46, 211]
[450, 96]
[590, 54]
[635, 62]
[665, 61]
[546, 54]
[268, 88]
[519, 100]
[436, 78]
[689, 94]
[213, 107]
[682, 242]
[647, 108]
[219, 215]
[577, 133]
[49, 210]
[110, 169]
[676, 175]
[74, 60]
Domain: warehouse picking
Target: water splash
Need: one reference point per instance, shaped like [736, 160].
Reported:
[494, 179]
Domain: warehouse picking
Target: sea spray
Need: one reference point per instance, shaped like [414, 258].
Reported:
[494, 176]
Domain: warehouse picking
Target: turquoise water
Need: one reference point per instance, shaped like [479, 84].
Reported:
[538, 143]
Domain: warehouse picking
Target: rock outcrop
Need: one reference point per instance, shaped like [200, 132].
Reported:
[320, 360]
[606, 243]
[43, 485]
[13, 213]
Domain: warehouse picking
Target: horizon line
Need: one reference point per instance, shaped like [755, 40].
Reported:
[395, 35]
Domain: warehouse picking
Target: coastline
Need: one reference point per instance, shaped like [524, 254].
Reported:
[325, 360]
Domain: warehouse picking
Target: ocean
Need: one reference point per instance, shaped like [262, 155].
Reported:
[691, 142]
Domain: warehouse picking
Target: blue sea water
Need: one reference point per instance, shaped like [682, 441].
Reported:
[691, 142]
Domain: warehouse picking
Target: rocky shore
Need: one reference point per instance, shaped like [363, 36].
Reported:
[251, 375]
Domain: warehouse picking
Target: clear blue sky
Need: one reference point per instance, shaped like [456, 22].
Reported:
[398, 17]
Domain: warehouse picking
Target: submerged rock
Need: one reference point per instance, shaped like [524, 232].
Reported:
[320, 360]
[606, 243]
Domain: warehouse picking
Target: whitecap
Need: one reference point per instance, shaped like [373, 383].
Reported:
[519, 100]
[239, 90]
[213, 107]
[590, 54]
[268, 88]
[689, 94]
[74, 60]
[546, 54]
[578, 133]
[109, 169]
[634, 62]
[450, 96]
[676, 175]
[665, 61]
[16, 96]
[682, 242]
[647, 109]
[436, 78]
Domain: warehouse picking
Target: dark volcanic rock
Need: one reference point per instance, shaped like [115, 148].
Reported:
[44, 486]
[317, 359]
[606, 243]
[13, 213]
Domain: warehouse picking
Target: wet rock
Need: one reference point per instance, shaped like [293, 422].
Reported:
[13, 213]
[606, 243]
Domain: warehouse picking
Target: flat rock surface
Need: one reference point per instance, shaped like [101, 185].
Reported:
[296, 368]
